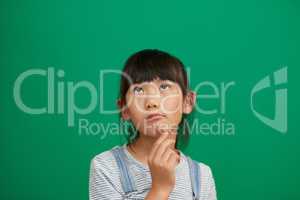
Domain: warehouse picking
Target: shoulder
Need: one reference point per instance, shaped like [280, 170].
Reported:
[104, 178]
[205, 169]
[207, 182]
[104, 162]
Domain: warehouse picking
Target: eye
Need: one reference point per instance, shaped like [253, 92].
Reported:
[164, 86]
[138, 90]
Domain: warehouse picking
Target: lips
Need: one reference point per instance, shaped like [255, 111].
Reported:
[155, 116]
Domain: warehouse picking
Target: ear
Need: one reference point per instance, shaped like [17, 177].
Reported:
[123, 109]
[189, 102]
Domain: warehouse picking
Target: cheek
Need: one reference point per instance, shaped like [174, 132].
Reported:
[173, 108]
[135, 106]
[138, 106]
[172, 105]
[136, 111]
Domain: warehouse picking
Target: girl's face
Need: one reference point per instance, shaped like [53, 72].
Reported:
[156, 105]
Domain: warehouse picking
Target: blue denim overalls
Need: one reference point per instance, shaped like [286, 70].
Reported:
[127, 179]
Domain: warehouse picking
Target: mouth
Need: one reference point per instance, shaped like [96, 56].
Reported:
[155, 117]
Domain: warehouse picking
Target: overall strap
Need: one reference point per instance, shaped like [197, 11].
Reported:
[127, 179]
[194, 169]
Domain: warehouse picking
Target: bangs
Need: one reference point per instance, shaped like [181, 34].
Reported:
[149, 65]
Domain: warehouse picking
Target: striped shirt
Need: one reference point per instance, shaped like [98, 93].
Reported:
[104, 182]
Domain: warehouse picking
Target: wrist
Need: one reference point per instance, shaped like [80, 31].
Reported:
[161, 193]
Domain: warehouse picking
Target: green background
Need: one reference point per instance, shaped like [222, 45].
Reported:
[221, 41]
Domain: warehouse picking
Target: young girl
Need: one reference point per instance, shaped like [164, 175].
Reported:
[155, 98]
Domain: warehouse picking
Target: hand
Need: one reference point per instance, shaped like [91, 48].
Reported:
[162, 161]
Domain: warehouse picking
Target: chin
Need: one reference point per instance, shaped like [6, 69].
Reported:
[151, 132]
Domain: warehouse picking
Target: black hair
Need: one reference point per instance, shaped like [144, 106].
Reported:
[148, 65]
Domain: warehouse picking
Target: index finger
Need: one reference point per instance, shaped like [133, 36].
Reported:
[161, 138]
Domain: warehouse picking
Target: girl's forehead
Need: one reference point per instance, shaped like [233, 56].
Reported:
[155, 81]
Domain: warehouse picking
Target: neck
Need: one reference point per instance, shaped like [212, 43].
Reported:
[143, 146]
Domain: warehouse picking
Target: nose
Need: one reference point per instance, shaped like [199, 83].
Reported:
[152, 104]
[152, 100]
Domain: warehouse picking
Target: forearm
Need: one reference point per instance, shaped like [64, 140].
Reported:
[157, 195]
